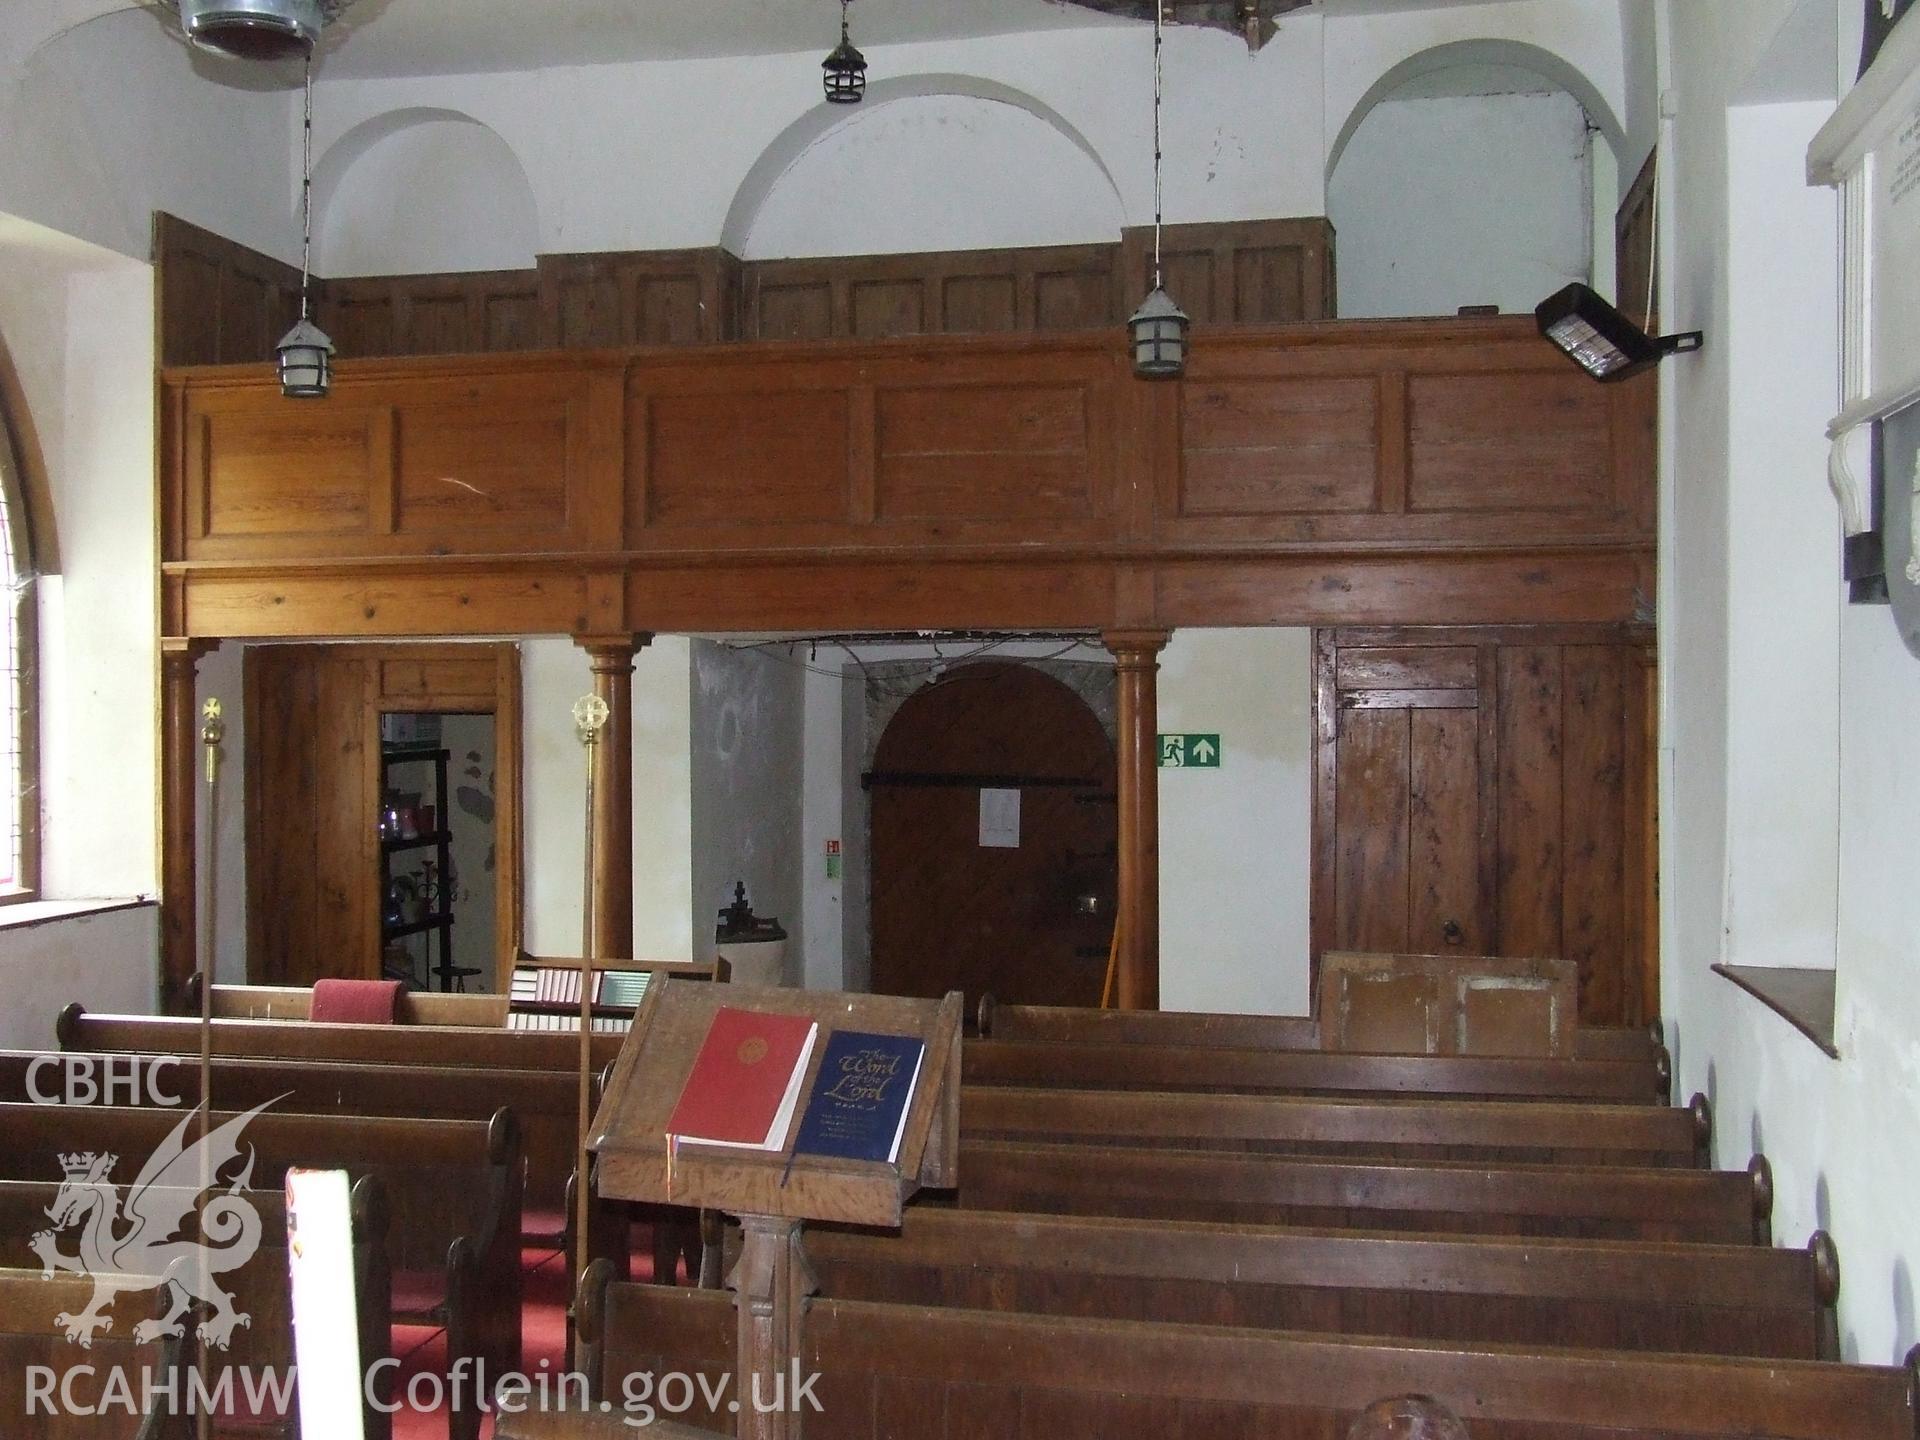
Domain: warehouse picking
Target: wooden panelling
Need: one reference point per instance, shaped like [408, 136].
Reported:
[1256, 272]
[944, 292]
[1362, 434]
[949, 482]
[485, 464]
[217, 302]
[1279, 447]
[1466, 453]
[988, 452]
[220, 302]
[771, 457]
[1492, 798]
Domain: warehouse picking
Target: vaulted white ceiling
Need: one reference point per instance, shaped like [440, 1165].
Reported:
[388, 38]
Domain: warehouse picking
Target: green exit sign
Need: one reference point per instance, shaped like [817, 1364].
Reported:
[1189, 752]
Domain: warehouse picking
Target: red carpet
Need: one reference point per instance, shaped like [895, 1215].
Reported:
[543, 1336]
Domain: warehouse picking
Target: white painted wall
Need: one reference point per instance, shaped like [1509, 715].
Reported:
[758, 115]
[1785, 725]
[468, 206]
[554, 673]
[109, 120]
[748, 724]
[823, 783]
[471, 815]
[1235, 843]
[936, 173]
[104, 961]
[223, 825]
[1478, 199]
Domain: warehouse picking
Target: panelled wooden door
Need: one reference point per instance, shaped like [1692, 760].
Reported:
[1489, 791]
[312, 736]
[951, 913]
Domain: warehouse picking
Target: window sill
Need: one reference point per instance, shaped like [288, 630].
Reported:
[1803, 998]
[25, 914]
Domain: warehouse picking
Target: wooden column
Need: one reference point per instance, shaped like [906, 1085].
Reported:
[1136, 661]
[770, 1282]
[179, 830]
[612, 879]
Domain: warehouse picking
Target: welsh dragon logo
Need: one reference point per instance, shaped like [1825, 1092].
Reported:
[138, 1245]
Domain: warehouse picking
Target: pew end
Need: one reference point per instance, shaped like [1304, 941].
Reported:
[1760, 1173]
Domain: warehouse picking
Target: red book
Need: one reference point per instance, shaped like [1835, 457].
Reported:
[745, 1081]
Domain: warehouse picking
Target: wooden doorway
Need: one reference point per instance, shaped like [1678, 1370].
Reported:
[1028, 917]
[1490, 791]
[314, 786]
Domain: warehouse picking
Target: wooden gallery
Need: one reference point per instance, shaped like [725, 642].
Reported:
[877, 718]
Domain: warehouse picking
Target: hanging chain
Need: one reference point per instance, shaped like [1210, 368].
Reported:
[306, 194]
[1158, 40]
[846, 35]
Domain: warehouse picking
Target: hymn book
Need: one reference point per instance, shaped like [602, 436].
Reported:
[745, 1081]
[860, 1101]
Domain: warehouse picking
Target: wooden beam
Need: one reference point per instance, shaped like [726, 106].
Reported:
[1136, 661]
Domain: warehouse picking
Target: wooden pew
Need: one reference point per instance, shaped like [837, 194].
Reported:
[454, 1189]
[1707, 1299]
[260, 1289]
[1495, 1131]
[544, 1102]
[422, 1007]
[1222, 1070]
[1238, 1032]
[1699, 1206]
[456, 1046]
[295, 1002]
[940, 1374]
[32, 1339]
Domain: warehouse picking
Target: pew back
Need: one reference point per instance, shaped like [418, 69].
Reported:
[1699, 1206]
[454, 1046]
[34, 1349]
[1238, 1032]
[260, 1289]
[1575, 1134]
[545, 1102]
[888, 1369]
[1708, 1299]
[1224, 1070]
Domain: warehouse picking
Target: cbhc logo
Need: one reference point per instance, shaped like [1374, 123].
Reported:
[104, 1080]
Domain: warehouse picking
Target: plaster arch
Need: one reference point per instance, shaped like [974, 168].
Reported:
[465, 155]
[1515, 53]
[823, 121]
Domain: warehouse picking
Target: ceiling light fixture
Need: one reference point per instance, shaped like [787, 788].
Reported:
[1159, 327]
[257, 29]
[1602, 341]
[305, 354]
[845, 68]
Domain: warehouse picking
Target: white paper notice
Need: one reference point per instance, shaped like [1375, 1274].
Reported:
[1000, 819]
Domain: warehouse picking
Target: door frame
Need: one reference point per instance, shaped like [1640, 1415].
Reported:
[402, 678]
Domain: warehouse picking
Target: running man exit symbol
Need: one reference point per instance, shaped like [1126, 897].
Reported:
[1189, 752]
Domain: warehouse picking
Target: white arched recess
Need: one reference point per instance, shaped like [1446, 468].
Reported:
[1563, 73]
[922, 165]
[1471, 174]
[422, 190]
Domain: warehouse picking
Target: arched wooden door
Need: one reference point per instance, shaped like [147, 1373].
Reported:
[1027, 921]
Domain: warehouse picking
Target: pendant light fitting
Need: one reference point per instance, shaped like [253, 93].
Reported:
[305, 354]
[1159, 327]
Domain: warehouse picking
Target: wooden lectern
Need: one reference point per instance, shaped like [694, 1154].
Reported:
[773, 1194]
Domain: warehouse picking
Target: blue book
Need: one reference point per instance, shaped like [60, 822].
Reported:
[859, 1105]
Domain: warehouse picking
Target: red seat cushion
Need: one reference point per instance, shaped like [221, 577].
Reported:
[355, 1002]
[418, 1292]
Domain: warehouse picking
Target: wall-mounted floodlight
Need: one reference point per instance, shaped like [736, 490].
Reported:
[1602, 341]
